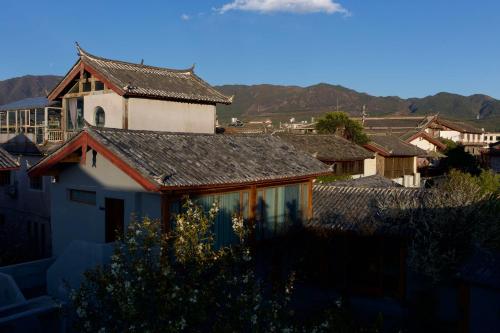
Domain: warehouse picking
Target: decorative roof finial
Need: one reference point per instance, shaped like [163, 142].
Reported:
[142, 61]
[78, 48]
[191, 69]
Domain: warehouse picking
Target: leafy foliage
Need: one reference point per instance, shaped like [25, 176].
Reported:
[339, 122]
[332, 178]
[180, 283]
[446, 222]
[458, 158]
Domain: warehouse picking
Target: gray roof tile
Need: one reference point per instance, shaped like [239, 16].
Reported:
[154, 82]
[394, 146]
[327, 147]
[187, 159]
[352, 209]
[7, 161]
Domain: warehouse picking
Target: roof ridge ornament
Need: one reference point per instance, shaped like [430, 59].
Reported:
[79, 49]
[191, 69]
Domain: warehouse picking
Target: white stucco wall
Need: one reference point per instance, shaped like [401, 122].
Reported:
[423, 144]
[450, 135]
[111, 102]
[167, 116]
[78, 221]
[370, 165]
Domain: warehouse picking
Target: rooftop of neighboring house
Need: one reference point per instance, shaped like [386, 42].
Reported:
[391, 145]
[7, 161]
[370, 181]
[400, 125]
[28, 103]
[184, 160]
[458, 126]
[139, 80]
[421, 133]
[248, 128]
[354, 209]
[22, 145]
[399, 122]
[327, 147]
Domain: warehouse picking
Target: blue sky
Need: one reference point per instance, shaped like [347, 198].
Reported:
[395, 47]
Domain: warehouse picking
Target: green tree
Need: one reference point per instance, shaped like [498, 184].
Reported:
[458, 158]
[340, 123]
[181, 283]
[445, 223]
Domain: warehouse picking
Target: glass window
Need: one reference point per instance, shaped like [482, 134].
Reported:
[74, 111]
[230, 204]
[99, 117]
[278, 208]
[98, 85]
[87, 86]
[36, 183]
[86, 197]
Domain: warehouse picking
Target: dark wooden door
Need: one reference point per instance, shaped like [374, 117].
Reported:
[115, 218]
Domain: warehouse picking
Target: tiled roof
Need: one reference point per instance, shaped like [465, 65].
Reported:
[393, 146]
[189, 160]
[458, 126]
[327, 147]
[154, 82]
[353, 209]
[27, 103]
[7, 161]
[370, 181]
[395, 122]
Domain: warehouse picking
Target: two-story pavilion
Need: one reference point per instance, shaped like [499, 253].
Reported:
[117, 94]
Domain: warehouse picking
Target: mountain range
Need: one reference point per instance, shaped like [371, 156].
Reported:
[280, 103]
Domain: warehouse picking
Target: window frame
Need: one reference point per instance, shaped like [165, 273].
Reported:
[73, 199]
[96, 110]
[30, 184]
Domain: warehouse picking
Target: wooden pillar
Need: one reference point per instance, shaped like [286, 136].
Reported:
[125, 113]
[310, 200]
[83, 159]
[252, 214]
[166, 200]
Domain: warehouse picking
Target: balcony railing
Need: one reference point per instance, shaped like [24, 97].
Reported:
[55, 135]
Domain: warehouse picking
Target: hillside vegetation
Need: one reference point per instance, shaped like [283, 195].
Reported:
[280, 103]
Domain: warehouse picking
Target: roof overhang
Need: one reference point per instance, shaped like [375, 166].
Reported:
[427, 137]
[74, 151]
[81, 143]
[78, 68]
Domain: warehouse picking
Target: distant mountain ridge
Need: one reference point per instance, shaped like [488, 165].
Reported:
[284, 102]
[280, 103]
[26, 86]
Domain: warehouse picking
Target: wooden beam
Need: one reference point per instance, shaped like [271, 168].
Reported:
[125, 113]
[83, 160]
[310, 200]
[252, 214]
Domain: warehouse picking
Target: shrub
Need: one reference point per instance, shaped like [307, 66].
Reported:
[444, 223]
[180, 283]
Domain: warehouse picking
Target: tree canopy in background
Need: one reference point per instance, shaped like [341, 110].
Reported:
[340, 123]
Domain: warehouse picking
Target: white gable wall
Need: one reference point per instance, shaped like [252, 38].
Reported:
[450, 135]
[111, 102]
[79, 221]
[423, 144]
[158, 115]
